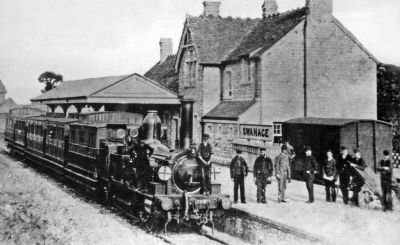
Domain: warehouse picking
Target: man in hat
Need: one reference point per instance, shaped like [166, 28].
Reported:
[204, 153]
[343, 167]
[386, 169]
[282, 172]
[357, 181]
[310, 169]
[239, 171]
[263, 170]
[143, 169]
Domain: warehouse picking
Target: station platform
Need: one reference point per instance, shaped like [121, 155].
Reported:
[335, 223]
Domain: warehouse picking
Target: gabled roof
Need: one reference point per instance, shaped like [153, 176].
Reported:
[215, 37]
[229, 110]
[267, 33]
[132, 89]
[164, 73]
[78, 88]
[328, 121]
[355, 40]
[2, 88]
[7, 105]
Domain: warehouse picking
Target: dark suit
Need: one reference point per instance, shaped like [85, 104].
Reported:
[330, 171]
[357, 181]
[344, 169]
[310, 166]
[143, 168]
[386, 183]
[239, 170]
[205, 152]
[263, 169]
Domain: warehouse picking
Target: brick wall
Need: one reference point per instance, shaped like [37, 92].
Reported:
[341, 77]
[282, 78]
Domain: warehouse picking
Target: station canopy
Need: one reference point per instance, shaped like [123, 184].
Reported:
[131, 89]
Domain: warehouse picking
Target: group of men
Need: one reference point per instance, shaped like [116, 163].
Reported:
[346, 168]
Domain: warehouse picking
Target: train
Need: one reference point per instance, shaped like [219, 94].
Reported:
[94, 150]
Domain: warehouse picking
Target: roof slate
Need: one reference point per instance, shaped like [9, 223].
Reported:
[78, 88]
[216, 37]
[164, 73]
[268, 32]
[229, 110]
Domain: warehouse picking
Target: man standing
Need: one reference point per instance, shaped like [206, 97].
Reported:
[144, 170]
[386, 169]
[358, 181]
[282, 172]
[310, 169]
[205, 152]
[239, 170]
[343, 167]
[263, 170]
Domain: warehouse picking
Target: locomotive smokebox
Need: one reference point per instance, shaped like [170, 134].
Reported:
[187, 123]
[151, 127]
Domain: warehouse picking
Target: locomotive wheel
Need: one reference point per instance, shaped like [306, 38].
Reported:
[366, 198]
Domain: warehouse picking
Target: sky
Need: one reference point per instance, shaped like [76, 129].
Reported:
[94, 38]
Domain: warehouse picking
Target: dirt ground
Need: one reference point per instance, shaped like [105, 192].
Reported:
[335, 222]
[34, 209]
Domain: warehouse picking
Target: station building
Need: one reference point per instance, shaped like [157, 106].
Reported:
[239, 79]
[247, 76]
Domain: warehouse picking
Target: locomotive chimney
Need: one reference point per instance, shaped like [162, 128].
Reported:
[151, 130]
[187, 123]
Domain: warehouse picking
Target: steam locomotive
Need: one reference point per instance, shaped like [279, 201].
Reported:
[94, 150]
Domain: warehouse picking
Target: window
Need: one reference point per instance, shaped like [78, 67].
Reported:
[228, 85]
[209, 130]
[247, 71]
[91, 139]
[190, 68]
[219, 133]
[230, 132]
[82, 137]
[277, 132]
[73, 136]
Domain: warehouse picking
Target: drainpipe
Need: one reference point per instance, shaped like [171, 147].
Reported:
[305, 64]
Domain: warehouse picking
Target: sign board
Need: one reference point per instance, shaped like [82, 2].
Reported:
[256, 132]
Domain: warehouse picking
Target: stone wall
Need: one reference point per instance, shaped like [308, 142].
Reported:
[282, 78]
[341, 77]
[243, 88]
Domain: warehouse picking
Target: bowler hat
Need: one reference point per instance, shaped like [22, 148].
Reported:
[356, 151]
[284, 148]
[238, 151]
[342, 148]
[307, 148]
[206, 136]
[386, 153]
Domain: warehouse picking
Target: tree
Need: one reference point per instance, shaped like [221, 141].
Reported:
[50, 79]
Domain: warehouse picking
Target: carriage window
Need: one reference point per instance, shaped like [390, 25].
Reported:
[60, 133]
[73, 136]
[40, 130]
[91, 139]
[82, 137]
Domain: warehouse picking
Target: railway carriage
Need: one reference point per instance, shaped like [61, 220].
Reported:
[96, 151]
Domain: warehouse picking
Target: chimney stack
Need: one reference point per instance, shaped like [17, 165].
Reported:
[165, 48]
[320, 8]
[269, 7]
[211, 8]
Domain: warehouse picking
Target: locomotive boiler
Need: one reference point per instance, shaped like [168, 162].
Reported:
[97, 151]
